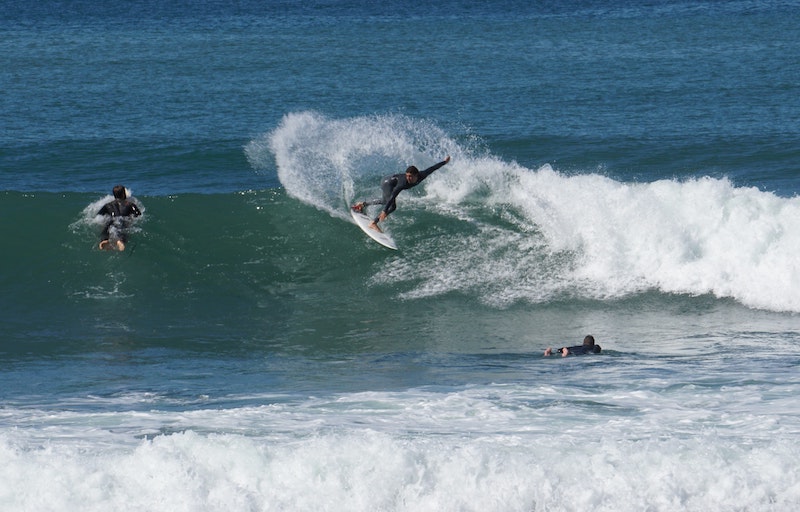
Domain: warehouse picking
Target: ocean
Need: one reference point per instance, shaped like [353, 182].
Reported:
[628, 170]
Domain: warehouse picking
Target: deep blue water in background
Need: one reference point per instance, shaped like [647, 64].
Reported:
[626, 169]
[172, 92]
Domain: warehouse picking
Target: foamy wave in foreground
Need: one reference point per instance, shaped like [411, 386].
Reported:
[367, 471]
[518, 234]
[482, 449]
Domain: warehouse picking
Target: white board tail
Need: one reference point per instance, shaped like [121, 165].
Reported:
[363, 222]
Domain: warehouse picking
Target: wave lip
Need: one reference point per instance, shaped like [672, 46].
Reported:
[700, 236]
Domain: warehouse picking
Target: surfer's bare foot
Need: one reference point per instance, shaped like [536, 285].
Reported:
[107, 245]
[358, 207]
[548, 352]
[374, 225]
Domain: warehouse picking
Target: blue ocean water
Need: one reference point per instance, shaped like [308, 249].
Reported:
[622, 169]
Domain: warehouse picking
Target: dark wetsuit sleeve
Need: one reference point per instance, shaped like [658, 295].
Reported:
[427, 172]
[579, 350]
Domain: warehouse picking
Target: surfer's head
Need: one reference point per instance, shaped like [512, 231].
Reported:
[412, 174]
[588, 341]
[120, 192]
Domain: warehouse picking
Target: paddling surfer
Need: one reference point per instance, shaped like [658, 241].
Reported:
[118, 215]
[588, 347]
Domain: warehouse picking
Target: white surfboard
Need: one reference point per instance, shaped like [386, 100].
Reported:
[382, 238]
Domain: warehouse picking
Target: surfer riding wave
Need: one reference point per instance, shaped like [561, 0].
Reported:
[391, 186]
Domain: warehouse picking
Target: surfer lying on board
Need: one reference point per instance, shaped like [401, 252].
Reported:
[588, 347]
[391, 186]
[118, 213]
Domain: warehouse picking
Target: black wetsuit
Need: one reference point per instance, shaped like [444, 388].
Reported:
[580, 350]
[119, 210]
[392, 185]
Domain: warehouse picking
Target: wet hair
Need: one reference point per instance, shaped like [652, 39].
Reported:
[120, 192]
[412, 170]
[588, 341]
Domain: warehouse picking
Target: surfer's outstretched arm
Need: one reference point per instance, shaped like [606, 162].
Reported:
[427, 172]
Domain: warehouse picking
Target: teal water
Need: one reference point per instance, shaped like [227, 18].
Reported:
[625, 170]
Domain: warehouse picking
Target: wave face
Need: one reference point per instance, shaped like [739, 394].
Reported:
[503, 233]
[480, 232]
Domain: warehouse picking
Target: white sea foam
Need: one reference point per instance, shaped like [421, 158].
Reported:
[494, 448]
[524, 234]
[701, 236]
